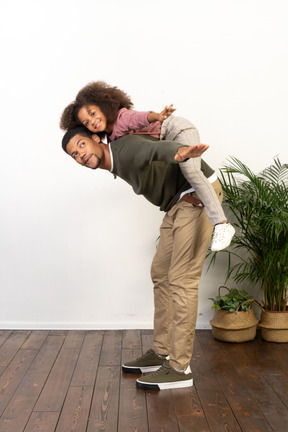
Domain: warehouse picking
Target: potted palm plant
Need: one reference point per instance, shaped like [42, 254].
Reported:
[259, 249]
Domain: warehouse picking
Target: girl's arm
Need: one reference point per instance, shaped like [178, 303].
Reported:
[163, 115]
[129, 120]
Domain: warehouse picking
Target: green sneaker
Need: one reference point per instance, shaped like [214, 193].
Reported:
[148, 362]
[165, 378]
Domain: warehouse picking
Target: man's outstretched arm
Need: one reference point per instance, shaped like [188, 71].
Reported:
[185, 152]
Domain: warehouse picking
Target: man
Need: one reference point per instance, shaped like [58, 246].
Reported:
[151, 167]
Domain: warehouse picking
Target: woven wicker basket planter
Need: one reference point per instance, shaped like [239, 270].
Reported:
[234, 326]
[274, 326]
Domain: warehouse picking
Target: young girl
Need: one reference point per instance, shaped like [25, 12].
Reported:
[104, 109]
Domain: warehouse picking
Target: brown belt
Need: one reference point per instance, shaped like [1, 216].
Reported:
[193, 200]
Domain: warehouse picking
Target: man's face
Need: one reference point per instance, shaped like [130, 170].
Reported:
[86, 151]
[93, 119]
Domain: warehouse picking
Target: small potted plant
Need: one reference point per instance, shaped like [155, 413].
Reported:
[259, 249]
[234, 319]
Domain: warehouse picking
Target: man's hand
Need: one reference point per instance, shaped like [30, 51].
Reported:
[167, 111]
[190, 152]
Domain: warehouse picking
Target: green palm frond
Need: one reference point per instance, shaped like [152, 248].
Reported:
[259, 207]
[277, 173]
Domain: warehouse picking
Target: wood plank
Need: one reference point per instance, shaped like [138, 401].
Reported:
[58, 333]
[147, 340]
[13, 375]
[214, 352]
[42, 422]
[279, 383]
[238, 387]
[161, 411]
[74, 339]
[131, 339]
[189, 411]
[218, 412]
[111, 348]
[244, 407]
[203, 375]
[131, 354]
[258, 356]
[269, 403]
[21, 404]
[87, 364]
[278, 353]
[12, 345]
[47, 354]
[4, 334]
[104, 408]
[35, 339]
[132, 405]
[55, 389]
[75, 412]
[131, 346]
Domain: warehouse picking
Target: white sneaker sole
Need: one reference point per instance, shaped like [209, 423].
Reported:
[163, 386]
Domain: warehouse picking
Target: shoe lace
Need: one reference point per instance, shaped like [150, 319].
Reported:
[164, 368]
[146, 354]
[219, 232]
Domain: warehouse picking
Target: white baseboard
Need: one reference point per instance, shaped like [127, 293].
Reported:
[19, 325]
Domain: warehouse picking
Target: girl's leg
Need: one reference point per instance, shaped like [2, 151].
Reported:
[184, 132]
[191, 170]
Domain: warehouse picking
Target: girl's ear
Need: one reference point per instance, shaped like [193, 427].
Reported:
[96, 138]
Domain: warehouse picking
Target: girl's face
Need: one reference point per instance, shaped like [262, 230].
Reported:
[93, 119]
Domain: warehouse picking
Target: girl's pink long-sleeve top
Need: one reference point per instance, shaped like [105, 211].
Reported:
[134, 122]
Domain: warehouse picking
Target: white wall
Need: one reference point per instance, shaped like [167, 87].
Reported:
[76, 245]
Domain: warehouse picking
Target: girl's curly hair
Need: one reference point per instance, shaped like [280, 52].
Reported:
[69, 118]
[109, 99]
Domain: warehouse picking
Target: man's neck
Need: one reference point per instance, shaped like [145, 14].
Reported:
[106, 159]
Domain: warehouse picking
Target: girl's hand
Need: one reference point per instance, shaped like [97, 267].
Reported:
[167, 111]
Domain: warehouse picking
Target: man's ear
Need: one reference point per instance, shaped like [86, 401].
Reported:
[96, 138]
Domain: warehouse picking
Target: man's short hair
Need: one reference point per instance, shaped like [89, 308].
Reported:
[81, 130]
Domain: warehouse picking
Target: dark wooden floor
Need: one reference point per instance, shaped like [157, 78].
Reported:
[66, 381]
